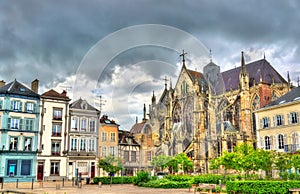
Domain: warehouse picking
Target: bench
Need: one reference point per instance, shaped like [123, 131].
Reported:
[295, 191]
[205, 186]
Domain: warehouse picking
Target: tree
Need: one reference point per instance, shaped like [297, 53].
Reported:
[184, 163]
[160, 162]
[111, 165]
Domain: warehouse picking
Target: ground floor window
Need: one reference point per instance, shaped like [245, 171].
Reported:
[25, 167]
[19, 167]
[12, 166]
[54, 168]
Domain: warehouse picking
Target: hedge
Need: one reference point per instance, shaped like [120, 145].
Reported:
[256, 187]
[166, 184]
[115, 180]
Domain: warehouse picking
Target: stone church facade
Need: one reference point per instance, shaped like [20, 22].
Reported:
[207, 113]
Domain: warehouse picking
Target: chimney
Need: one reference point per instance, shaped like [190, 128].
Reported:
[64, 93]
[2, 83]
[35, 86]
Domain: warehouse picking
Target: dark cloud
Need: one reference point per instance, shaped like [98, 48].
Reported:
[49, 39]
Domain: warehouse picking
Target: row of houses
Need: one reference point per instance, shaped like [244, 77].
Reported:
[46, 137]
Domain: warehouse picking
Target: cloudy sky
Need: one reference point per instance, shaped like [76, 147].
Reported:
[122, 50]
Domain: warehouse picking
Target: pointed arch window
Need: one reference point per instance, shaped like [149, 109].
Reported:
[256, 102]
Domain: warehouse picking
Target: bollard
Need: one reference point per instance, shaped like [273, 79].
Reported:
[17, 183]
[57, 186]
[99, 184]
[63, 182]
[32, 184]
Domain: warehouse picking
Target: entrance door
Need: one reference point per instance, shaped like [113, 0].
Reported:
[93, 170]
[40, 171]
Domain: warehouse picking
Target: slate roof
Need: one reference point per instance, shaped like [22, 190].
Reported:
[255, 70]
[137, 127]
[17, 88]
[195, 75]
[82, 104]
[54, 94]
[293, 95]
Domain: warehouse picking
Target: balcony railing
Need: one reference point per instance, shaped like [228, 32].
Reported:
[55, 153]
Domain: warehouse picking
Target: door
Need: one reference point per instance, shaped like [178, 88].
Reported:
[40, 171]
[93, 170]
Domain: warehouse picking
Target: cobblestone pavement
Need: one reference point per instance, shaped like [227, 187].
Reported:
[56, 188]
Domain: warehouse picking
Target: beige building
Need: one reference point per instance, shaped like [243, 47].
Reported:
[143, 134]
[53, 136]
[278, 124]
[108, 139]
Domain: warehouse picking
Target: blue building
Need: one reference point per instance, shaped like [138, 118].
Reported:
[19, 124]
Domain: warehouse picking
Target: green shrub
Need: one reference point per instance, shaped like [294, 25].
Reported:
[257, 187]
[115, 180]
[179, 178]
[208, 178]
[166, 184]
[142, 177]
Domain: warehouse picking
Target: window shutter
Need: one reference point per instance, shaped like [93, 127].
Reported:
[26, 107]
[269, 122]
[288, 116]
[32, 125]
[0, 104]
[8, 123]
[274, 121]
[282, 118]
[20, 107]
[11, 105]
[297, 117]
[20, 124]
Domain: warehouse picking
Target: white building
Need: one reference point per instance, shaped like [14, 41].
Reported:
[52, 156]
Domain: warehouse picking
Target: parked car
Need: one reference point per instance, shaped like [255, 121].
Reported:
[160, 175]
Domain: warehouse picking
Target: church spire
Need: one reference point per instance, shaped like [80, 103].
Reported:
[243, 64]
[210, 55]
[183, 57]
[144, 110]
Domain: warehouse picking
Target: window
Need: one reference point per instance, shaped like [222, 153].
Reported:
[25, 167]
[295, 142]
[74, 124]
[55, 149]
[54, 170]
[267, 143]
[82, 145]
[265, 122]
[56, 129]
[149, 155]
[30, 107]
[29, 124]
[92, 125]
[0, 104]
[82, 167]
[294, 118]
[73, 144]
[104, 136]
[27, 144]
[83, 125]
[91, 145]
[280, 141]
[57, 114]
[126, 156]
[15, 123]
[12, 167]
[13, 145]
[133, 156]
[113, 136]
[279, 120]
[112, 151]
[16, 105]
[103, 151]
